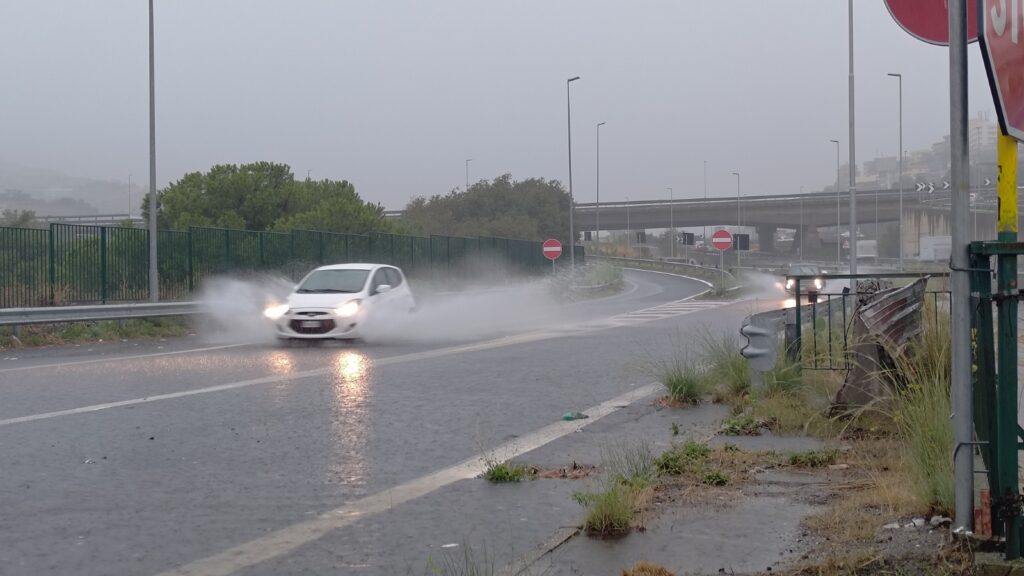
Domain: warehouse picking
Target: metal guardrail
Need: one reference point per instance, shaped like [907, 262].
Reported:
[705, 272]
[61, 314]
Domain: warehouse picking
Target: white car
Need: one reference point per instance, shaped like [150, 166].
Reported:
[339, 301]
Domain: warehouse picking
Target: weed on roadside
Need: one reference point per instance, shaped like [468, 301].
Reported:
[501, 472]
[728, 373]
[742, 425]
[108, 330]
[629, 462]
[715, 477]
[647, 569]
[682, 458]
[813, 458]
[609, 512]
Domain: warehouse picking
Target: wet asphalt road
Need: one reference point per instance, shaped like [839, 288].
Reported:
[128, 458]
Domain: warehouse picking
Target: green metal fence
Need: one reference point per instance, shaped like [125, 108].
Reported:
[76, 264]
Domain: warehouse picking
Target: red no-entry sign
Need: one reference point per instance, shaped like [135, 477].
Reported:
[721, 240]
[552, 249]
[928, 20]
[1002, 46]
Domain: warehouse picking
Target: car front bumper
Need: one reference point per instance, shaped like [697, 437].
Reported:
[313, 324]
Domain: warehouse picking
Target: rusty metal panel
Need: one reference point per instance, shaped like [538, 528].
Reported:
[893, 316]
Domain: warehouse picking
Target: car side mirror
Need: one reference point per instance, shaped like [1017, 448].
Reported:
[383, 288]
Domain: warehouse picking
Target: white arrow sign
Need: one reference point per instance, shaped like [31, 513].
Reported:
[931, 187]
[920, 186]
[988, 182]
[945, 185]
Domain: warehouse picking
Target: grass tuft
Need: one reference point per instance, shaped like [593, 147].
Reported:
[609, 512]
[813, 458]
[647, 569]
[715, 477]
[501, 472]
[742, 425]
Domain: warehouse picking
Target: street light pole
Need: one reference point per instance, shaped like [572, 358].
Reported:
[468, 160]
[738, 217]
[800, 231]
[705, 239]
[129, 196]
[853, 161]
[899, 228]
[597, 224]
[154, 278]
[839, 242]
[572, 201]
[629, 233]
[671, 224]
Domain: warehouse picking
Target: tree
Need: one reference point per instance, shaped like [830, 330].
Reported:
[264, 196]
[532, 209]
[17, 218]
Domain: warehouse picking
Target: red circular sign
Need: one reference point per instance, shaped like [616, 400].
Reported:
[1002, 33]
[928, 20]
[721, 240]
[552, 249]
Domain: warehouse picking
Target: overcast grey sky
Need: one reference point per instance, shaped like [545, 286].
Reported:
[394, 95]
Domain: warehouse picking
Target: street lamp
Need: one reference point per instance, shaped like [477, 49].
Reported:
[468, 160]
[705, 239]
[154, 278]
[800, 231]
[839, 243]
[572, 202]
[671, 224]
[597, 223]
[738, 217]
[899, 228]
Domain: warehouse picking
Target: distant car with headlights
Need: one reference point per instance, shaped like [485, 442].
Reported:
[340, 301]
[817, 284]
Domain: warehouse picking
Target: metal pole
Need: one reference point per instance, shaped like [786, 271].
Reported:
[468, 160]
[671, 225]
[800, 230]
[899, 228]
[154, 278]
[738, 218]
[853, 162]
[129, 196]
[572, 201]
[705, 201]
[963, 428]
[629, 239]
[839, 243]
[597, 224]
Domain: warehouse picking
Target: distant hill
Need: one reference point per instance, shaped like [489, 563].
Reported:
[54, 193]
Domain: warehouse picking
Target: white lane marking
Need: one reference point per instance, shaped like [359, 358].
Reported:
[130, 357]
[287, 539]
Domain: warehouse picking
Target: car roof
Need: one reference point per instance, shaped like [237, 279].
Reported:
[353, 266]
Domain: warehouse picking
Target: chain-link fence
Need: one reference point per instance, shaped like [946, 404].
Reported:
[75, 264]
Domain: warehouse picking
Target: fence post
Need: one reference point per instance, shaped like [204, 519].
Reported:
[52, 257]
[227, 250]
[103, 264]
[263, 261]
[191, 265]
[320, 248]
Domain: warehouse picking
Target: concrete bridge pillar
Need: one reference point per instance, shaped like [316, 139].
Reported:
[766, 237]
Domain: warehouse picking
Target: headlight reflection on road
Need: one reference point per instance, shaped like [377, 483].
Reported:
[280, 363]
[350, 422]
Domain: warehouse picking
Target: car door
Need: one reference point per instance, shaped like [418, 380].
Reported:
[380, 278]
[401, 294]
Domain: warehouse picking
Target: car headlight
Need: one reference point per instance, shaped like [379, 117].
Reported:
[347, 309]
[275, 312]
[789, 283]
[818, 283]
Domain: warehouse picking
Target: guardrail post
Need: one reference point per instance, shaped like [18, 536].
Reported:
[103, 264]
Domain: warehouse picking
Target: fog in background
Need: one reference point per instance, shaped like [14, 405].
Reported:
[394, 96]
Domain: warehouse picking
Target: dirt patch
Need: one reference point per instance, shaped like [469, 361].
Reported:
[669, 402]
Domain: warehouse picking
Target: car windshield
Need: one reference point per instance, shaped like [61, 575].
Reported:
[803, 270]
[334, 281]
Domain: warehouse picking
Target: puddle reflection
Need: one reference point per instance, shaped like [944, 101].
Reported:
[350, 423]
